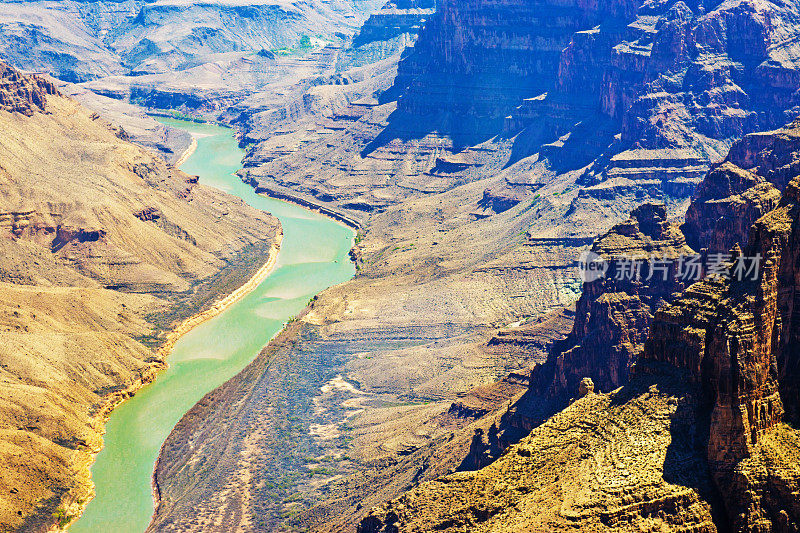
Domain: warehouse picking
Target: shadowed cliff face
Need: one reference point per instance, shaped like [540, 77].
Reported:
[645, 95]
[614, 312]
[737, 338]
[479, 60]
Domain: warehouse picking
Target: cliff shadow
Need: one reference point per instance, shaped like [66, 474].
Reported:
[462, 131]
[526, 414]
[565, 148]
[685, 462]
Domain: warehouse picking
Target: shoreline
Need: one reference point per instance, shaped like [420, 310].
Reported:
[85, 461]
[186, 153]
[341, 218]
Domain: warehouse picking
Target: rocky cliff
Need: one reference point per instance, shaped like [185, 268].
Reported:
[477, 61]
[103, 249]
[642, 268]
[643, 94]
[613, 314]
[727, 202]
[387, 32]
[743, 188]
[735, 337]
[723, 353]
[23, 94]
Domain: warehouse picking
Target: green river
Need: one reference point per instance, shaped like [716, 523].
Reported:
[313, 256]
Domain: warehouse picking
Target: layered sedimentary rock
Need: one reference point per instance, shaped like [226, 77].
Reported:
[455, 66]
[743, 188]
[387, 32]
[724, 351]
[644, 94]
[771, 154]
[613, 314]
[678, 84]
[727, 202]
[737, 338]
[103, 248]
[80, 41]
[23, 94]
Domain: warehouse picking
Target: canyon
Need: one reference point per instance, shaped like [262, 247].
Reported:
[697, 439]
[474, 198]
[466, 378]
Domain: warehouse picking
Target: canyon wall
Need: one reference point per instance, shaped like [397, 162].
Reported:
[613, 314]
[638, 96]
[462, 238]
[723, 352]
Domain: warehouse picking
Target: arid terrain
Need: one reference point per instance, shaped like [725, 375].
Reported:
[480, 148]
[472, 221]
[105, 248]
[703, 436]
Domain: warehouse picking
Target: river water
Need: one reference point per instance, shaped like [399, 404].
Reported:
[313, 256]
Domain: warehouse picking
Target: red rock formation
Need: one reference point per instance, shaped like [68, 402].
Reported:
[646, 94]
[613, 315]
[738, 339]
[725, 205]
[775, 155]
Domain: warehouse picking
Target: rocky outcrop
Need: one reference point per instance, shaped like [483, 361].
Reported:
[737, 338]
[23, 94]
[609, 462]
[614, 311]
[725, 206]
[772, 155]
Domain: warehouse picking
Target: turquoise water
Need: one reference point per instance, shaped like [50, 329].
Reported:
[313, 256]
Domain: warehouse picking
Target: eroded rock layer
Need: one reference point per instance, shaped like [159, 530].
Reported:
[23, 94]
[644, 94]
[725, 349]
[614, 311]
[732, 335]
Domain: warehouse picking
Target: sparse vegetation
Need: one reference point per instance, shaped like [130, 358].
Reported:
[62, 517]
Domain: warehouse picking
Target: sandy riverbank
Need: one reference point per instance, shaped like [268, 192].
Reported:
[84, 491]
[186, 153]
